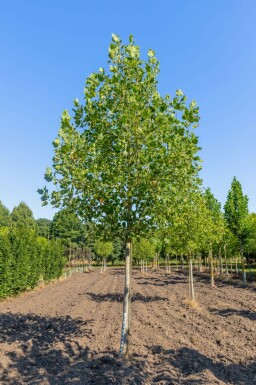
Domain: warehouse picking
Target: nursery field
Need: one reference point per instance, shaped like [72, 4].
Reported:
[69, 332]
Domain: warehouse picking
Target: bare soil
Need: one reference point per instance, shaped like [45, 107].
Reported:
[69, 332]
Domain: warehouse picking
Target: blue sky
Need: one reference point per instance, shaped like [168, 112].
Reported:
[48, 48]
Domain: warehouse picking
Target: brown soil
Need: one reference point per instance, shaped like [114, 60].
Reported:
[68, 332]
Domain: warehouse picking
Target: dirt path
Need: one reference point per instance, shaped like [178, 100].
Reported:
[68, 333]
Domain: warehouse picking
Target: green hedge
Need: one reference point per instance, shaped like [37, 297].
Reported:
[26, 258]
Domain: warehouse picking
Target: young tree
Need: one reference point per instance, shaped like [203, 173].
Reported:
[103, 249]
[127, 155]
[145, 250]
[215, 227]
[236, 212]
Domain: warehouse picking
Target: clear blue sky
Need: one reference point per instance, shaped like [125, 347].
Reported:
[48, 48]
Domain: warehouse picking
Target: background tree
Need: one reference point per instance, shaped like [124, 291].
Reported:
[22, 215]
[67, 226]
[103, 249]
[144, 249]
[5, 217]
[126, 126]
[44, 227]
[236, 212]
[215, 227]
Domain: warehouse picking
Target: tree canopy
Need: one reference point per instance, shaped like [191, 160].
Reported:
[127, 153]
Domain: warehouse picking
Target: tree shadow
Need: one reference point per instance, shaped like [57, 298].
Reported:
[47, 350]
[167, 280]
[44, 350]
[223, 280]
[193, 366]
[229, 312]
[115, 297]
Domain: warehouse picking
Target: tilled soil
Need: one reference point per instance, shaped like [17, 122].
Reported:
[69, 332]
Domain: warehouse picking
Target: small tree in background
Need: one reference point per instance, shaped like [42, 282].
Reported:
[236, 212]
[44, 227]
[22, 215]
[215, 228]
[5, 216]
[103, 249]
[145, 250]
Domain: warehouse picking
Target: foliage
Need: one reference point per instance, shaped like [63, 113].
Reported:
[215, 222]
[66, 225]
[144, 249]
[44, 227]
[5, 217]
[126, 126]
[250, 225]
[103, 249]
[236, 209]
[25, 258]
[22, 216]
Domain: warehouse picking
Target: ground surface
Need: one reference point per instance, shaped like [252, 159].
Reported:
[68, 332]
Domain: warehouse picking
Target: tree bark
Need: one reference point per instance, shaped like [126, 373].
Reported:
[181, 263]
[225, 256]
[125, 334]
[243, 264]
[211, 264]
[191, 280]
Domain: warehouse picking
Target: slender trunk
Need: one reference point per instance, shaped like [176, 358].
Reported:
[243, 262]
[236, 267]
[125, 335]
[220, 261]
[191, 280]
[226, 263]
[211, 264]
[146, 267]
[181, 262]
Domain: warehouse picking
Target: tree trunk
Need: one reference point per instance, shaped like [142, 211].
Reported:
[125, 335]
[211, 264]
[191, 280]
[220, 261]
[181, 262]
[236, 265]
[243, 264]
[226, 263]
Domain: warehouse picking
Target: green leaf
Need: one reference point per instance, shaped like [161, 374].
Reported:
[48, 174]
[115, 38]
[56, 142]
[151, 53]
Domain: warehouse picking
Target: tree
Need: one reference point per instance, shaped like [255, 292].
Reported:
[44, 227]
[145, 250]
[215, 227]
[103, 249]
[189, 230]
[22, 215]
[5, 217]
[127, 155]
[236, 212]
[66, 225]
